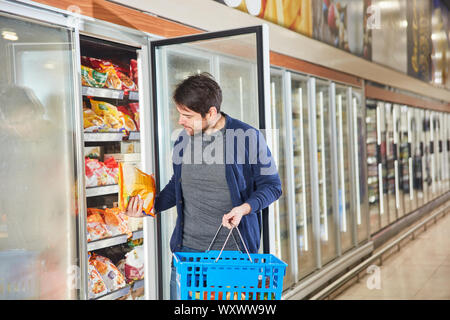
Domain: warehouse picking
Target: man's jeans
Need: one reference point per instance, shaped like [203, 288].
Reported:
[173, 275]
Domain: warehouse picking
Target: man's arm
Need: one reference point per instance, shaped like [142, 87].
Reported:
[267, 180]
[268, 186]
[166, 198]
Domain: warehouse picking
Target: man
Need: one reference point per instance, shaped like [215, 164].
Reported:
[223, 174]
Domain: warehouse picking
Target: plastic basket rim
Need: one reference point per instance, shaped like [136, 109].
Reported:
[277, 263]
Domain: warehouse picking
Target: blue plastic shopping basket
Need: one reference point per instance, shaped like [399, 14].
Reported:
[228, 275]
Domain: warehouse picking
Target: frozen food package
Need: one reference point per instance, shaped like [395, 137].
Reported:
[134, 264]
[97, 170]
[117, 222]
[128, 118]
[112, 170]
[109, 114]
[93, 78]
[127, 83]
[112, 277]
[134, 107]
[96, 226]
[96, 284]
[134, 71]
[128, 123]
[91, 178]
[113, 81]
[134, 182]
[92, 122]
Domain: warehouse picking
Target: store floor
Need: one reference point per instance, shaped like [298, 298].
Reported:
[420, 270]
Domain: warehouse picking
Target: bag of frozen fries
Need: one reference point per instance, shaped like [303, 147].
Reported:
[133, 182]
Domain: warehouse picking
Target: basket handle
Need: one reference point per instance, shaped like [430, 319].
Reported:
[226, 241]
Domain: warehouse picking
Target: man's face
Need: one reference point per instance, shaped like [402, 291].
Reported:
[191, 121]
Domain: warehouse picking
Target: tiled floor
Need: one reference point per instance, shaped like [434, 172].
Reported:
[420, 270]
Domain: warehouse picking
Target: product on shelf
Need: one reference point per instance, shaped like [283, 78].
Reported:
[92, 78]
[113, 118]
[134, 107]
[129, 116]
[117, 77]
[112, 277]
[117, 222]
[92, 122]
[99, 173]
[94, 152]
[134, 182]
[96, 226]
[96, 284]
[134, 71]
[133, 264]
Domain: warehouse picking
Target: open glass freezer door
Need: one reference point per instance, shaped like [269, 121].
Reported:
[239, 60]
[38, 202]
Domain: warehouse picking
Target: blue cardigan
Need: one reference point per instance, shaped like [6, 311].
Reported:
[251, 175]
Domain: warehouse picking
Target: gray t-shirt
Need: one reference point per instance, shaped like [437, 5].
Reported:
[205, 192]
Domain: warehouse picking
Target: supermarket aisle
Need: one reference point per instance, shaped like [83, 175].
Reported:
[421, 270]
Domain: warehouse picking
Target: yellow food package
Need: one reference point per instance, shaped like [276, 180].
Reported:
[109, 113]
[134, 182]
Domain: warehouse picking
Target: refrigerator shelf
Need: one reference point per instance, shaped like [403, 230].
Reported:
[103, 136]
[109, 93]
[102, 92]
[113, 241]
[102, 190]
[111, 136]
[115, 294]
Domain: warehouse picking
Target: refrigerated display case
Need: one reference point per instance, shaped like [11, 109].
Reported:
[390, 163]
[303, 207]
[399, 193]
[323, 132]
[346, 214]
[243, 96]
[111, 135]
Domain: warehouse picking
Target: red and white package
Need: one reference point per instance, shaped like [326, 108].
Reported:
[134, 264]
[134, 72]
[96, 284]
[117, 222]
[96, 226]
[112, 277]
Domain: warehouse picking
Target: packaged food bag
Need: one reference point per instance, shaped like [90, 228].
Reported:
[117, 222]
[113, 81]
[134, 264]
[109, 114]
[112, 170]
[134, 182]
[96, 226]
[112, 277]
[92, 122]
[93, 78]
[134, 107]
[96, 284]
[96, 170]
[134, 71]
[127, 83]
[128, 118]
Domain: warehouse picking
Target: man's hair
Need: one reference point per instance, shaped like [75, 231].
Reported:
[199, 93]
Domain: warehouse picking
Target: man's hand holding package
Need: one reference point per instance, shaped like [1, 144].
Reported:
[134, 208]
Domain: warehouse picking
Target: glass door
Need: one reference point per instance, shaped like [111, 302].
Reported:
[38, 202]
[390, 163]
[399, 193]
[344, 154]
[373, 149]
[405, 160]
[328, 249]
[359, 165]
[416, 165]
[426, 155]
[303, 205]
[238, 60]
[282, 208]
[382, 164]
